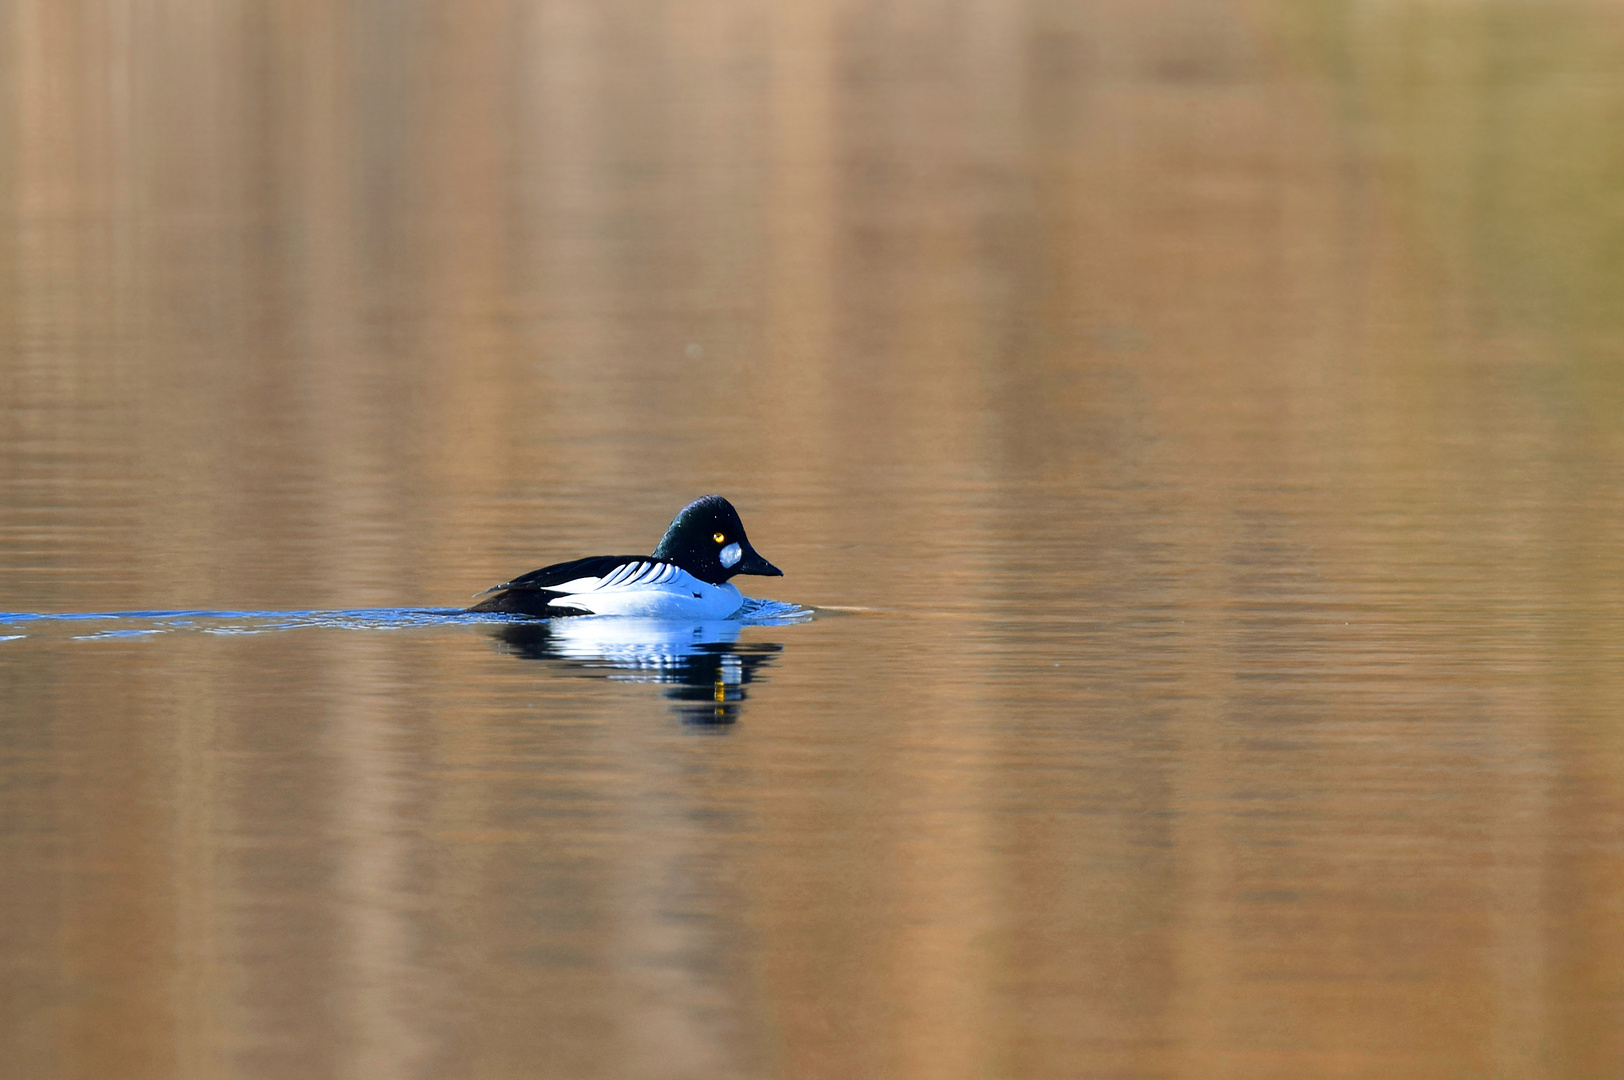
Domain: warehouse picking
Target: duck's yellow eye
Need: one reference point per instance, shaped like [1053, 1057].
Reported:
[718, 538]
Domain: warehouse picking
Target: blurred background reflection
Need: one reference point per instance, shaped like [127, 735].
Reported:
[1213, 407]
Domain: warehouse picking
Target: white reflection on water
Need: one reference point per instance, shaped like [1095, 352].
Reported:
[703, 665]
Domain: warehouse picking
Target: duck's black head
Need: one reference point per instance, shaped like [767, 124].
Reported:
[707, 540]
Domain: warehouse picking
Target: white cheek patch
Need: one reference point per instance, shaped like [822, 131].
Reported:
[730, 555]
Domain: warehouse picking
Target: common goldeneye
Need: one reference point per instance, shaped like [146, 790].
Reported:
[685, 577]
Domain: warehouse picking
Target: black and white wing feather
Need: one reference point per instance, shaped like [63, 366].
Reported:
[550, 577]
[547, 591]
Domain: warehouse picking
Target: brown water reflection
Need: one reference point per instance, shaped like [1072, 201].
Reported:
[1213, 406]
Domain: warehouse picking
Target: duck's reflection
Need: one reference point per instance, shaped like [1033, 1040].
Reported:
[703, 665]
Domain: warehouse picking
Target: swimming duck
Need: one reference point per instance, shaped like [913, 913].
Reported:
[685, 578]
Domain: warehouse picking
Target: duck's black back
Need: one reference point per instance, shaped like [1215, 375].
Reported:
[529, 594]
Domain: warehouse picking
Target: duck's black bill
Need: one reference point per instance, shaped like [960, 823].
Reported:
[755, 564]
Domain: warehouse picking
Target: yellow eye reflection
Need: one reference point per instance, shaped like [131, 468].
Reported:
[718, 538]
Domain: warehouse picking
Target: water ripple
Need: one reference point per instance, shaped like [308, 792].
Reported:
[137, 624]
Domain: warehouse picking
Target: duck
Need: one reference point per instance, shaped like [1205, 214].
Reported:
[686, 576]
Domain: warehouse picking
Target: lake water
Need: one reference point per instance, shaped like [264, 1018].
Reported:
[1197, 428]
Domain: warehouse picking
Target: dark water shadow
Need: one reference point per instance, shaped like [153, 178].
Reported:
[702, 666]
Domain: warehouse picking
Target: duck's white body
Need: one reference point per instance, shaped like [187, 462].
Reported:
[649, 590]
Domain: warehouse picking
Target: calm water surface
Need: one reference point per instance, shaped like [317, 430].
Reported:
[1195, 425]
